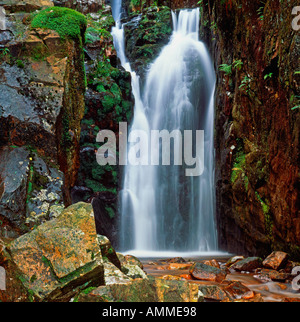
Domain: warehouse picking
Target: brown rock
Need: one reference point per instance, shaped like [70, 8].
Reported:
[204, 272]
[214, 293]
[234, 260]
[248, 264]
[238, 291]
[274, 275]
[59, 256]
[212, 262]
[176, 266]
[276, 260]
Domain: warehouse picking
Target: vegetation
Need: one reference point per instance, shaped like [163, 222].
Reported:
[67, 22]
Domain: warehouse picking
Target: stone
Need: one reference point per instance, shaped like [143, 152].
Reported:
[58, 258]
[214, 293]
[108, 251]
[176, 291]
[248, 264]
[133, 271]
[139, 290]
[112, 275]
[238, 291]
[204, 272]
[176, 266]
[233, 260]
[178, 260]
[274, 275]
[276, 260]
[212, 262]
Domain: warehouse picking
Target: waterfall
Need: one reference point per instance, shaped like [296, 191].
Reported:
[162, 209]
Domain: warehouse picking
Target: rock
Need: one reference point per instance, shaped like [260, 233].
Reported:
[140, 290]
[212, 262]
[176, 291]
[248, 264]
[274, 275]
[207, 273]
[214, 293]
[233, 260]
[238, 291]
[131, 260]
[291, 299]
[32, 190]
[25, 6]
[176, 260]
[171, 278]
[60, 257]
[276, 260]
[133, 271]
[175, 266]
[84, 6]
[112, 275]
[108, 251]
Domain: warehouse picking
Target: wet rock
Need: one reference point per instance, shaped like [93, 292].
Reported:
[176, 266]
[214, 293]
[238, 291]
[276, 260]
[274, 275]
[176, 260]
[212, 262]
[204, 272]
[233, 260]
[248, 264]
[59, 257]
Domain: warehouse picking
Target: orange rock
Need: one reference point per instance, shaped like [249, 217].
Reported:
[179, 266]
[187, 276]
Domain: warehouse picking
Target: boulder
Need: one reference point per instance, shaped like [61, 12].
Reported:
[205, 272]
[274, 275]
[176, 291]
[276, 260]
[233, 260]
[58, 258]
[237, 291]
[248, 264]
[214, 293]
[139, 290]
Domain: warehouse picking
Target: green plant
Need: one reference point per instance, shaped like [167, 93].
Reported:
[67, 22]
[227, 69]
[267, 76]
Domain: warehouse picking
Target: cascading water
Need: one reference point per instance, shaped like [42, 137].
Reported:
[162, 209]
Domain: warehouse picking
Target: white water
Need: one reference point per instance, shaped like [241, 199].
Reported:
[161, 208]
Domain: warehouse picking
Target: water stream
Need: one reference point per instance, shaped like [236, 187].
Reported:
[163, 208]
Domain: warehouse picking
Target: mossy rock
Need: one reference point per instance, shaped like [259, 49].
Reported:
[67, 22]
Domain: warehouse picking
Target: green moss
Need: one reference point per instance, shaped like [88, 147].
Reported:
[67, 22]
[238, 165]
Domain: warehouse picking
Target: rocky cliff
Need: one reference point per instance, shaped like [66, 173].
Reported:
[256, 55]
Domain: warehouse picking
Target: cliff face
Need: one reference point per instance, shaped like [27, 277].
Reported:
[256, 55]
[41, 106]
